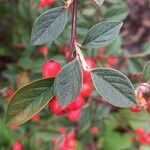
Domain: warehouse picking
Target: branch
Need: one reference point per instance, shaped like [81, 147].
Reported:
[73, 29]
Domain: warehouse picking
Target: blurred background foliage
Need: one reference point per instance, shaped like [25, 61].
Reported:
[20, 63]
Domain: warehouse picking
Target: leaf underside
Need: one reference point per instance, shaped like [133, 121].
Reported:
[68, 83]
[102, 34]
[99, 2]
[114, 87]
[49, 26]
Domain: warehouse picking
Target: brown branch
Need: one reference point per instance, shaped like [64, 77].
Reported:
[73, 28]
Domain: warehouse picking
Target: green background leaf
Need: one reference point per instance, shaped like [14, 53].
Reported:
[114, 87]
[49, 26]
[146, 72]
[28, 101]
[117, 12]
[102, 34]
[68, 83]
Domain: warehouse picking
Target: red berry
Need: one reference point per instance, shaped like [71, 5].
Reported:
[63, 146]
[61, 130]
[9, 94]
[75, 105]
[70, 143]
[139, 131]
[148, 138]
[43, 51]
[94, 130]
[14, 127]
[74, 116]
[112, 60]
[35, 118]
[102, 49]
[135, 109]
[45, 3]
[87, 89]
[50, 69]
[98, 56]
[91, 64]
[54, 107]
[144, 139]
[17, 146]
[107, 65]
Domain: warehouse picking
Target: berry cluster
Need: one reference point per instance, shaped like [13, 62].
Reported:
[109, 61]
[69, 142]
[45, 3]
[143, 138]
[50, 69]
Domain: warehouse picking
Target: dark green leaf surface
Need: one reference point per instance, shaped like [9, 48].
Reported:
[99, 2]
[68, 83]
[49, 26]
[146, 72]
[28, 101]
[102, 34]
[114, 87]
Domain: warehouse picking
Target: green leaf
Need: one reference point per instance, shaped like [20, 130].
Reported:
[114, 87]
[102, 34]
[102, 111]
[116, 140]
[47, 134]
[117, 12]
[85, 119]
[146, 72]
[49, 26]
[99, 2]
[68, 83]
[29, 100]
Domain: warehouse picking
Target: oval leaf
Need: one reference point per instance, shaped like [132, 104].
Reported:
[117, 12]
[114, 87]
[99, 2]
[28, 101]
[49, 26]
[146, 72]
[68, 83]
[102, 34]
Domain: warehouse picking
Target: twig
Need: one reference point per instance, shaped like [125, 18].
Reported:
[73, 29]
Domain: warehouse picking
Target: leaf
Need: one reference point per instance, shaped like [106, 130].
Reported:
[47, 134]
[85, 119]
[146, 72]
[99, 2]
[102, 111]
[117, 12]
[117, 140]
[68, 83]
[48, 26]
[102, 34]
[114, 87]
[29, 100]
